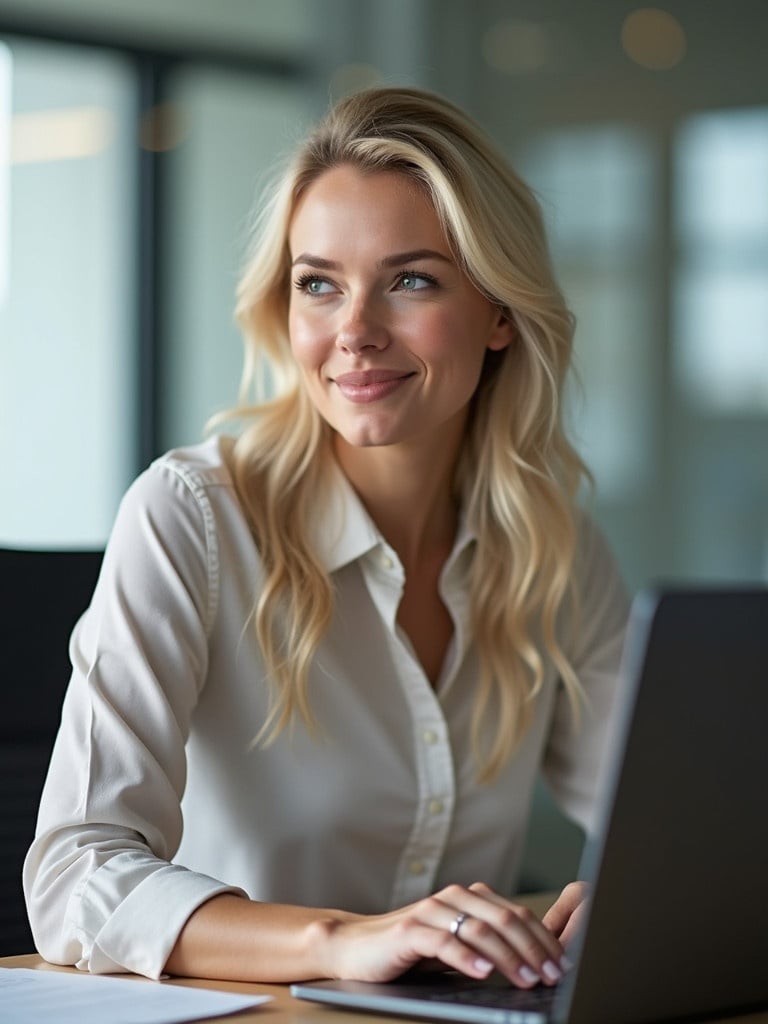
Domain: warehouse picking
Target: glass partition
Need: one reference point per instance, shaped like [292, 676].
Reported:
[234, 128]
[721, 223]
[597, 185]
[67, 333]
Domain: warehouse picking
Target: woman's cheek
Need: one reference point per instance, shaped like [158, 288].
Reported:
[309, 342]
[432, 334]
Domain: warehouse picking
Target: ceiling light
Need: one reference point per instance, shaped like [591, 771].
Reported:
[68, 134]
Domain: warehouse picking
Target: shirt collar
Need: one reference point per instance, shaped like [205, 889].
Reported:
[465, 536]
[344, 531]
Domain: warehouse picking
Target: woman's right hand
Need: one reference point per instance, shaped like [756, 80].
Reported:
[494, 933]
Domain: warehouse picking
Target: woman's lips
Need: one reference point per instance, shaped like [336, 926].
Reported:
[370, 385]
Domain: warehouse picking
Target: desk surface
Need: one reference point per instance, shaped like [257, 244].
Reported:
[284, 1009]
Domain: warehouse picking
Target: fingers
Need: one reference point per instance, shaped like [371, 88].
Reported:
[574, 925]
[565, 915]
[440, 944]
[498, 932]
[471, 930]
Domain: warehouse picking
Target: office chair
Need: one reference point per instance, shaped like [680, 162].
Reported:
[42, 594]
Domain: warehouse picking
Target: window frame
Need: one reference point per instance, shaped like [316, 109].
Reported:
[154, 65]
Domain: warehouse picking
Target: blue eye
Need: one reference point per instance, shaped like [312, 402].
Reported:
[409, 281]
[313, 285]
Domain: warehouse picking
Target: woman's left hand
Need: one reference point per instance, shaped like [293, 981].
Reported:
[566, 914]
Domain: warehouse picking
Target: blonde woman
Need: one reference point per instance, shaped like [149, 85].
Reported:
[326, 659]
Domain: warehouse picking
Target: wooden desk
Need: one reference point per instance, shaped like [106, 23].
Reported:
[284, 1009]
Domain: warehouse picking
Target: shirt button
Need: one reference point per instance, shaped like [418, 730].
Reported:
[386, 561]
[435, 806]
[429, 736]
[416, 867]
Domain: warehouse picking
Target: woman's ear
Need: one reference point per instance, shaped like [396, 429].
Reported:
[503, 333]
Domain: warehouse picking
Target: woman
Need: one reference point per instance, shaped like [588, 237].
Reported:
[325, 661]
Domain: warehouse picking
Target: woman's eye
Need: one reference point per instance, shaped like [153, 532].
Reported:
[314, 285]
[415, 282]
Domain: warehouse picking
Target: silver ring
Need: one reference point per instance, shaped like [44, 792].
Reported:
[457, 922]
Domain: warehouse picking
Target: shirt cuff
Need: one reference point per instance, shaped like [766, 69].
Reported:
[136, 930]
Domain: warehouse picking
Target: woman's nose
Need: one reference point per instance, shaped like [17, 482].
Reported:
[362, 328]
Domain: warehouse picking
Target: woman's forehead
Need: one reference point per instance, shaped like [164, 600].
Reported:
[346, 205]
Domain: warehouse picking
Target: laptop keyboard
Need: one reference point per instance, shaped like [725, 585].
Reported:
[502, 998]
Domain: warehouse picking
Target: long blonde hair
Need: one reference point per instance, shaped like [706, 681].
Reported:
[517, 473]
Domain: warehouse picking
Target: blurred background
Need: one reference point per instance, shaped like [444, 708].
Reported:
[135, 136]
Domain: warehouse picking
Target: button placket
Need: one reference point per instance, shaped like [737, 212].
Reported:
[384, 584]
[433, 760]
[424, 851]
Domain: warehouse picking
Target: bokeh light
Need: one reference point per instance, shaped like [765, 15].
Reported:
[653, 38]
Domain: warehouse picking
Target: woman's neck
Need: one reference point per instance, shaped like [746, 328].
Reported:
[408, 492]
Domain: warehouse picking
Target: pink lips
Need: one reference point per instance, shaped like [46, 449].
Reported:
[370, 385]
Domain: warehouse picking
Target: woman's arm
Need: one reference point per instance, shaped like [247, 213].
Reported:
[233, 938]
[102, 891]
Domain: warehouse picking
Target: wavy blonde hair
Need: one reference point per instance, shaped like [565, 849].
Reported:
[517, 474]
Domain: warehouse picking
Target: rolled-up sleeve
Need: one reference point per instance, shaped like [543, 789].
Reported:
[576, 746]
[101, 890]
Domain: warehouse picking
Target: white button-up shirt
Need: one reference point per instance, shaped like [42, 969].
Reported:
[157, 798]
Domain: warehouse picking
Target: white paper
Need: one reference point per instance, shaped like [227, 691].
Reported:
[28, 997]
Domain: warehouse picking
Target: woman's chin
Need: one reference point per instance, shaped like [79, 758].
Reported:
[368, 435]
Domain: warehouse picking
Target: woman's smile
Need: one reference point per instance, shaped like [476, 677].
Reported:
[371, 385]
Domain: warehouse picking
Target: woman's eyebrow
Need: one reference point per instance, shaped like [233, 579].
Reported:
[399, 258]
[395, 260]
[316, 261]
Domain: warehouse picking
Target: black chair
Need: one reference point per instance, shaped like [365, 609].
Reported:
[42, 594]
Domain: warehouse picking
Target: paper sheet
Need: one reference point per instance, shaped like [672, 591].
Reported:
[28, 997]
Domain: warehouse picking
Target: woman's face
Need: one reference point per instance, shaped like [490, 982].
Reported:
[389, 333]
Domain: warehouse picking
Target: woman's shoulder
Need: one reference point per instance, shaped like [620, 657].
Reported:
[184, 485]
[176, 521]
[204, 465]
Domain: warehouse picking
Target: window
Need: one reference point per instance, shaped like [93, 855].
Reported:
[721, 285]
[235, 128]
[67, 216]
[120, 244]
[596, 185]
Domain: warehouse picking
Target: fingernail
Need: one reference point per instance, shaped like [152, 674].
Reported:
[550, 971]
[565, 963]
[529, 976]
[483, 965]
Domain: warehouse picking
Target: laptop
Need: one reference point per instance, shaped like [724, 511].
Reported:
[677, 923]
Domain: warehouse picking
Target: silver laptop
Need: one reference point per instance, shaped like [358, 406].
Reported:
[678, 919]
